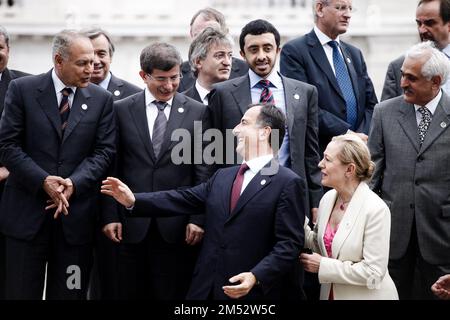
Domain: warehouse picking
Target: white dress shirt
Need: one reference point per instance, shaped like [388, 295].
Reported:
[105, 83]
[277, 88]
[59, 85]
[324, 39]
[202, 92]
[432, 105]
[151, 110]
[254, 166]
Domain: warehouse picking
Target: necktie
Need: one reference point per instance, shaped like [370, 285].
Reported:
[424, 123]
[345, 84]
[266, 94]
[159, 128]
[64, 108]
[237, 186]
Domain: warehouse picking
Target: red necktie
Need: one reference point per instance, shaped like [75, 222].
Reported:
[237, 186]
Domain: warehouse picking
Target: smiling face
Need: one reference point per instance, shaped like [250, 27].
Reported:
[333, 18]
[76, 69]
[260, 52]
[162, 84]
[102, 59]
[4, 53]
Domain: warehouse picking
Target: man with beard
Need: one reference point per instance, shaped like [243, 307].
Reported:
[433, 23]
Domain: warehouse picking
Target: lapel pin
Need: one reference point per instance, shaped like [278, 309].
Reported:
[117, 93]
[180, 110]
[263, 182]
[443, 124]
[348, 60]
[296, 97]
[84, 106]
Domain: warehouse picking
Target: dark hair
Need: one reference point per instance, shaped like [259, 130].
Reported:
[271, 116]
[257, 27]
[211, 14]
[444, 8]
[96, 32]
[161, 56]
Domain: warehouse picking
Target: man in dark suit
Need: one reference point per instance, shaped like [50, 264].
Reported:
[254, 215]
[210, 57]
[102, 76]
[6, 75]
[433, 23]
[208, 17]
[152, 259]
[56, 158]
[104, 282]
[409, 141]
[337, 69]
[260, 45]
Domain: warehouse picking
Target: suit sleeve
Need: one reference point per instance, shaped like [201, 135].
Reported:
[312, 157]
[371, 99]
[173, 202]
[289, 235]
[376, 147]
[92, 169]
[370, 271]
[12, 131]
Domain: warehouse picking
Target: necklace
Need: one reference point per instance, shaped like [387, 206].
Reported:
[343, 203]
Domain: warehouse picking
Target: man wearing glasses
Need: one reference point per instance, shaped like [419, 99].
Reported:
[152, 253]
[336, 68]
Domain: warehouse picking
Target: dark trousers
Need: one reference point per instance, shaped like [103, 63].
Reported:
[412, 275]
[154, 269]
[67, 265]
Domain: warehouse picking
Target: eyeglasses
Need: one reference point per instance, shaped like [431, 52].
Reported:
[174, 78]
[341, 7]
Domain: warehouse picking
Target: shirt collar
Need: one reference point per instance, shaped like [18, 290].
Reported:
[149, 98]
[1, 73]
[446, 50]
[202, 92]
[256, 164]
[323, 38]
[273, 77]
[59, 85]
[105, 83]
[432, 105]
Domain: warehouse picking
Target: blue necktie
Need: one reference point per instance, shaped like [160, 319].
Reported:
[345, 83]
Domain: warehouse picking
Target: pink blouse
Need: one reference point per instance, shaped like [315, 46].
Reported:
[328, 238]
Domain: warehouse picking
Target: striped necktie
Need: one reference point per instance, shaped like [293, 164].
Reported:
[64, 107]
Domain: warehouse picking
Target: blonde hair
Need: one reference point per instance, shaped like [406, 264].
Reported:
[354, 150]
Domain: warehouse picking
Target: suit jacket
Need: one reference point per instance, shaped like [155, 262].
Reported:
[412, 179]
[391, 87]
[229, 101]
[143, 172]
[33, 147]
[7, 76]
[304, 59]
[121, 88]
[263, 234]
[238, 68]
[357, 268]
[193, 94]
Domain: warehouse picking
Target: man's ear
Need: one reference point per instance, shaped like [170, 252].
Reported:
[142, 74]
[436, 81]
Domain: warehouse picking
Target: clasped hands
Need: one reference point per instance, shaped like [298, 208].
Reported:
[59, 190]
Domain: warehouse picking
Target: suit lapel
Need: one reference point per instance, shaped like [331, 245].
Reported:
[46, 97]
[323, 216]
[350, 217]
[4, 82]
[318, 54]
[137, 110]
[439, 123]
[241, 93]
[354, 78]
[227, 183]
[80, 106]
[408, 122]
[177, 113]
[290, 90]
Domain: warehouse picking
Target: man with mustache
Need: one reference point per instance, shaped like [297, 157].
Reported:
[433, 23]
[210, 56]
[153, 262]
[409, 141]
[336, 68]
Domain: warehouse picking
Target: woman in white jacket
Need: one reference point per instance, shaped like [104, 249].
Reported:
[350, 241]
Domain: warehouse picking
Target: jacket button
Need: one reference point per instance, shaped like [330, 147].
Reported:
[420, 159]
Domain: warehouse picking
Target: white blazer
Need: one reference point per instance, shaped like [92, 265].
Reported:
[360, 249]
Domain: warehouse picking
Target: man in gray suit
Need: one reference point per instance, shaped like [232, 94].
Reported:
[409, 141]
[433, 23]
